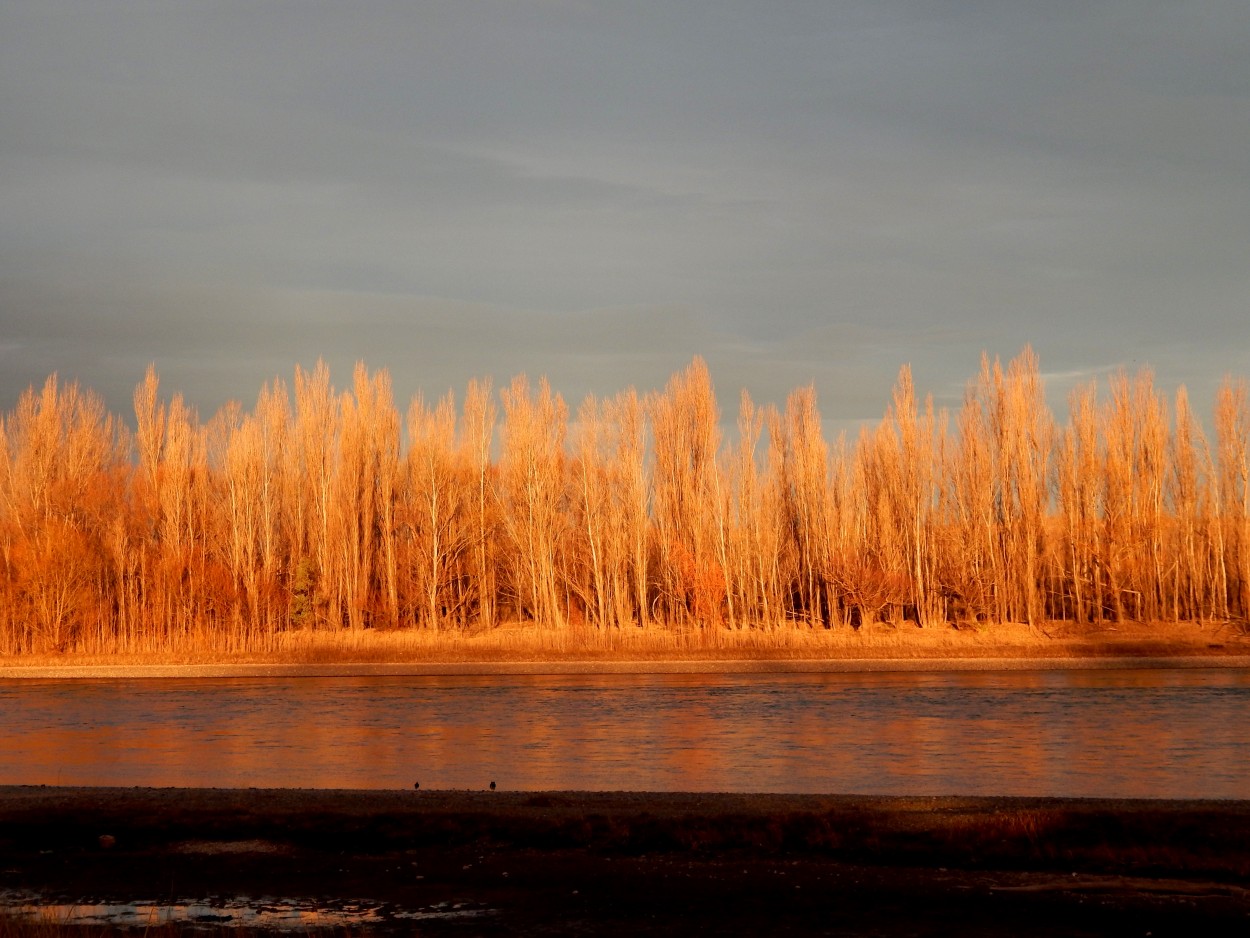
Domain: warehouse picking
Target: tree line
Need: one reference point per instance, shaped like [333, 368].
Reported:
[318, 510]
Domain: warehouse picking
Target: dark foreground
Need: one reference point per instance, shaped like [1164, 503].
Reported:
[574, 863]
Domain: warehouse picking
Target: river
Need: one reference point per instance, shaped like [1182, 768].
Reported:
[1106, 733]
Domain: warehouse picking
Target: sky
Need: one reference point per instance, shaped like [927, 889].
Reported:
[799, 192]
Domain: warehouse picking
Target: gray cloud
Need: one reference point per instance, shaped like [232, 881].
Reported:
[799, 192]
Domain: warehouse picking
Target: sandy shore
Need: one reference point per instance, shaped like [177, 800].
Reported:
[568, 863]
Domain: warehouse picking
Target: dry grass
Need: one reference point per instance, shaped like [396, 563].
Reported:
[527, 643]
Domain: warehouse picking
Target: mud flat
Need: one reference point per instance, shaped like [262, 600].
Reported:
[565, 863]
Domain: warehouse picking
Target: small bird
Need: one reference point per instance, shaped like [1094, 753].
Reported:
[492, 786]
[416, 785]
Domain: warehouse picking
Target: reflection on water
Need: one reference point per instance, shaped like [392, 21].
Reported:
[1174, 734]
[264, 913]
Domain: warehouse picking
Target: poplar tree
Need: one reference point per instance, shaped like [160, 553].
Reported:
[438, 493]
[686, 439]
[532, 471]
[1232, 432]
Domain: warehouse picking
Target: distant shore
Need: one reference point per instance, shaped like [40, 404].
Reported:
[693, 666]
[559, 863]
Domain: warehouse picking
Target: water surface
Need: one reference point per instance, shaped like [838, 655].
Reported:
[1130, 733]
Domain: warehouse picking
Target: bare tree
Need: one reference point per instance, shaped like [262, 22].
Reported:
[1186, 488]
[532, 475]
[802, 479]
[316, 440]
[440, 492]
[364, 499]
[685, 426]
[1232, 432]
[478, 432]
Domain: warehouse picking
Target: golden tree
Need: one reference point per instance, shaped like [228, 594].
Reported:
[532, 477]
[686, 440]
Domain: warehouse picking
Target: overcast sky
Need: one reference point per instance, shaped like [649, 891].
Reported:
[597, 191]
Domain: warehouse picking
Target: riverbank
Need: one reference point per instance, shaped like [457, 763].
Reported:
[529, 650]
[568, 863]
[573, 667]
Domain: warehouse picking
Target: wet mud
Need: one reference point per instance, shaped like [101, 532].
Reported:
[571, 863]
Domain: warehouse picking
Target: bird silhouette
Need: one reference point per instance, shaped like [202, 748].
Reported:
[416, 785]
[492, 786]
